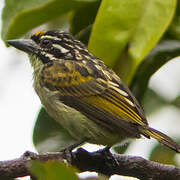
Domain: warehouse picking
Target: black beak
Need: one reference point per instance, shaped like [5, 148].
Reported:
[26, 45]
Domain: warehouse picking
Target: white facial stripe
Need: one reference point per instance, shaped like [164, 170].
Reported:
[50, 56]
[50, 37]
[62, 49]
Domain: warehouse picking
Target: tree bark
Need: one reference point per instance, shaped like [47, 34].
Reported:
[101, 161]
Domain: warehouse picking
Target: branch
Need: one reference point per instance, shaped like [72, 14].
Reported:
[109, 164]
[102, 161]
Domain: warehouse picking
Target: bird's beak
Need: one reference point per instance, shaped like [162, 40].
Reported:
[26, 45]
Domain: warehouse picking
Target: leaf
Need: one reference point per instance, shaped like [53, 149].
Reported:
[155, 20]
[125, 31]
[121, 149]
[84, 16]
[163, 155]
[82, 20]
[48, 135]
[161, 54]
[152, 102]
[176, 102]
[100, 177]
[52, 170]
[113, 27]
[174, 29]
[84, 34]
[20, 17]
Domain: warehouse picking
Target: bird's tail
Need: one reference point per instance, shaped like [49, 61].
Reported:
[162, 138]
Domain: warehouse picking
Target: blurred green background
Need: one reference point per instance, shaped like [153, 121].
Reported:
[138, 39]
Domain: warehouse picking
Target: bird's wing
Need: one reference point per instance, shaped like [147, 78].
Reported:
[96, 95]
[72, 79]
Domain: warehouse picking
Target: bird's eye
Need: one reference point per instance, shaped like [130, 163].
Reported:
[45, 43]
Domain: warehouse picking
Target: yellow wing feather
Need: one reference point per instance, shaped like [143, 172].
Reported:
[98, 92]
[69, 82]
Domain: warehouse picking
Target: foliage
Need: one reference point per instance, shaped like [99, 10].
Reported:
[52, 170]
[122, 33]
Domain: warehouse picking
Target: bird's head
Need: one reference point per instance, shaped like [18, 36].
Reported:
[47, 46]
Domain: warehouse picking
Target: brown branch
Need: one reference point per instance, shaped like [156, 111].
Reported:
[101, 161]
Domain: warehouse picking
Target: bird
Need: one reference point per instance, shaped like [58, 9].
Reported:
[71, 81]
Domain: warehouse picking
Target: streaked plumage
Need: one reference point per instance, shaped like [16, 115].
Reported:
[69, 78]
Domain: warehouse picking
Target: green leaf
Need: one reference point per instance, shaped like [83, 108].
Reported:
[152, 102]
[121, 149]
[52, 170]
[161, 54]
[82, 20]
[112, 28]
[163, 155]
[174, 29]
[84, 34]
[154, 21]
[100, 177]
[176, 102]
[48, 135]
[21, 16]
[130, 26]
[84, 16]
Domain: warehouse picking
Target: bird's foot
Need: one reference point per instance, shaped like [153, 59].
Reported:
[68, 150]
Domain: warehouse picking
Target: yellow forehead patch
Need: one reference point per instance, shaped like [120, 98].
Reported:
[40, 32]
